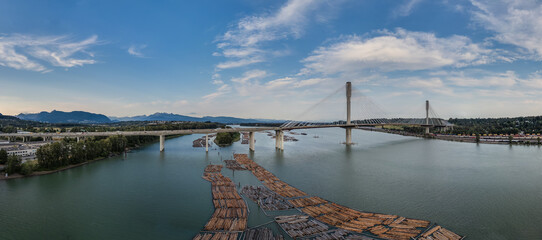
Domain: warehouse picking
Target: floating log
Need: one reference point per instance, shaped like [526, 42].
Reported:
[382, 225]
[234, 165]
[261, 234]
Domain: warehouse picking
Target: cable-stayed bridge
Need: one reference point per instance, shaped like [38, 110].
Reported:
[431, 121]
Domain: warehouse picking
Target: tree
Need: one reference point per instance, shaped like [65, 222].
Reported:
[510, 139]
[477, 137]
[3, 156]
[28, 167]
[13, 164]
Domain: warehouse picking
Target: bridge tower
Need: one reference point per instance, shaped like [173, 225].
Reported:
[426, 116]
[348, 119]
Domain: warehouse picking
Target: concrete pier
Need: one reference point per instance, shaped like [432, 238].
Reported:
[162, 142]
[206, 142]
[279, 139]
[251, 141]
[348, 136]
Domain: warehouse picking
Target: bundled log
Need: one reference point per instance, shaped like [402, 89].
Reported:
[231, 212]
[265, 198]
[440, 233]
[304, 202]
[234, 165]
[300, 225]
[261, 234]
[213, 168]
[382, 225]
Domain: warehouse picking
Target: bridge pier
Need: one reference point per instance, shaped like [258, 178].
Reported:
[348, 136]
[206, 142]
[279, 140]
[162, 140]
[251, 141]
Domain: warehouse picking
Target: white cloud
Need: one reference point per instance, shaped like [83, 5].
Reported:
[533, 81]
[400, 50]
[406, 8]
[238, 63]
[135, 50]
[516, 22]
[250, 75]
[281, 82]
[224, 89]
[243, 42]
[426, 83]
[506, 79]
[310, 82]
[26, 52]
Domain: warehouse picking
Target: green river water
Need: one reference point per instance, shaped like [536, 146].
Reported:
[481, 191]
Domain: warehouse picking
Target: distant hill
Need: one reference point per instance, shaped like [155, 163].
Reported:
[10, 123]
[178, 117]
[65, 117]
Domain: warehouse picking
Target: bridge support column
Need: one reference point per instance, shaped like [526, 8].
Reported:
[206, 142]
[348, 136]
[162, 140]
[279, 139]
[251, 141]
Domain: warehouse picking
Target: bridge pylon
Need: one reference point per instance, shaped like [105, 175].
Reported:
[427, 116]
[348, 113]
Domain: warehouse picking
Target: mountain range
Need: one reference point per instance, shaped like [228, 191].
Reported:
[65, 117]
[93, 118]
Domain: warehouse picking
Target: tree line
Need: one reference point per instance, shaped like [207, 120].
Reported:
[69, 151]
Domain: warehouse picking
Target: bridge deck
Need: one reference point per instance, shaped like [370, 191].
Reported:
[194, 131]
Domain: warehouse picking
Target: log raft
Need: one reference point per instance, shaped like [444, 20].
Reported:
[231, 212]
[383, 226]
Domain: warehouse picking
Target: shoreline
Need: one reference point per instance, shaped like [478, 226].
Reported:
[41, 173]
[450, 138]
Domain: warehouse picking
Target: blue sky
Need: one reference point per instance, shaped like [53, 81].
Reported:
[272, 59]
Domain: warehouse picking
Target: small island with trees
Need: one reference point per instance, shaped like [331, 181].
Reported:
[224, 139]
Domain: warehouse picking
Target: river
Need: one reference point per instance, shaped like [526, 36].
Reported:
[481, 191]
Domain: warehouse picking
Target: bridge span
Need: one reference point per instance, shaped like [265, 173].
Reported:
[348, 125]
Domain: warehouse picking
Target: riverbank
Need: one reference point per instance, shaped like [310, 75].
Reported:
[41, 173]
[503, 140]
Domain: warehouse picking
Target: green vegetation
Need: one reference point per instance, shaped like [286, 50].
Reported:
[227, 138]
[3, 156]
[13, 165]
[67, 152]
[527, 125]
[29, 167]
[10, 124]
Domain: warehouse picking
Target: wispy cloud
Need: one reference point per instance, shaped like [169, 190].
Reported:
[26, 52]
[406, 8]
[516, 22]
[223, 89]
[399, 50]
[243, 42]
[135, 50]
[249, 75]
